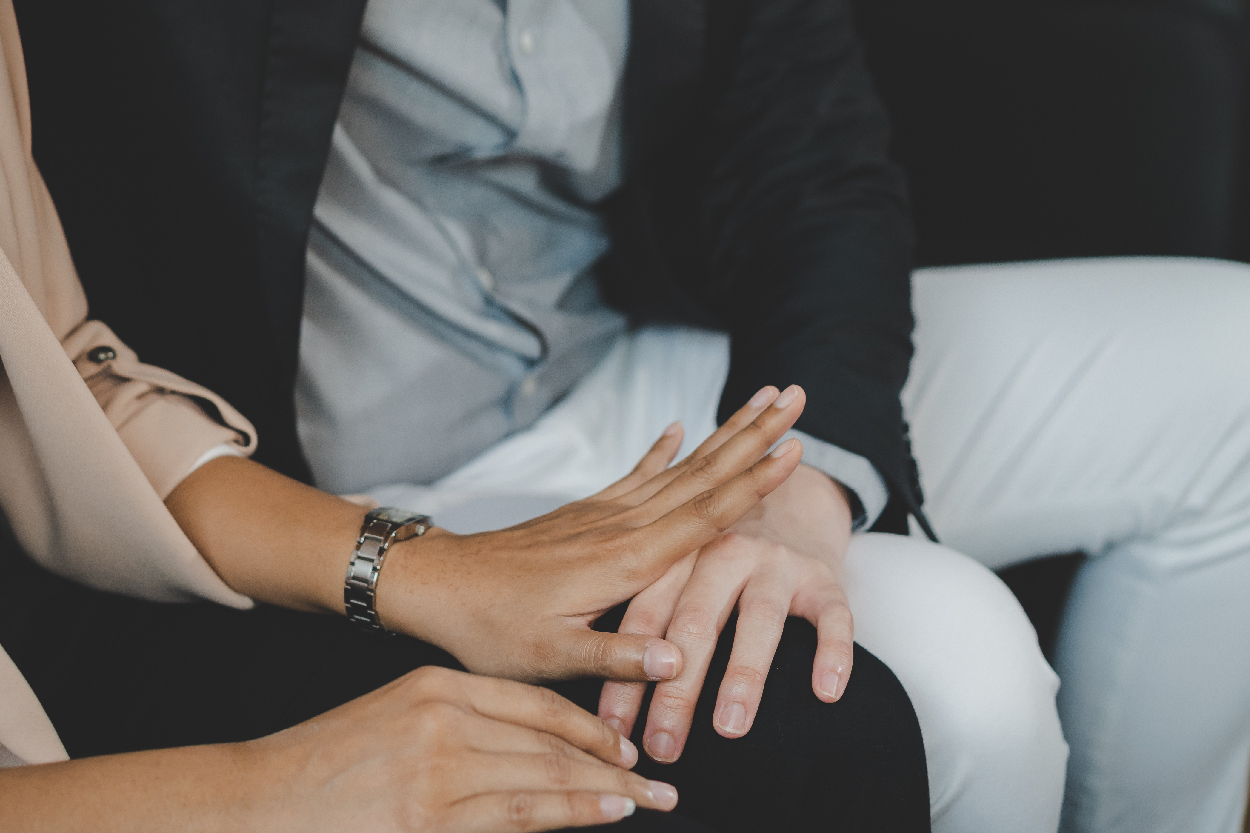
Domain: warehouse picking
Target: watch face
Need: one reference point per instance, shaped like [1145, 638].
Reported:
[394, 515]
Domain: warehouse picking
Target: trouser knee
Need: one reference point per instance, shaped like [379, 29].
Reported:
[805, 762]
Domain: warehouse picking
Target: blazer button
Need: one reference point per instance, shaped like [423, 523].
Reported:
[100, 355]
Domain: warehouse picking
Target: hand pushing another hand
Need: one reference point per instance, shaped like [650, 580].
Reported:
[520, 602]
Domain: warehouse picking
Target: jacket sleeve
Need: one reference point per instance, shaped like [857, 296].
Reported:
[806, 231]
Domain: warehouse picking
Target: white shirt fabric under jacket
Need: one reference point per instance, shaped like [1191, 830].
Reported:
[450, 296]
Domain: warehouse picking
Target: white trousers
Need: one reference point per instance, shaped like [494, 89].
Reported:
[1101, 406]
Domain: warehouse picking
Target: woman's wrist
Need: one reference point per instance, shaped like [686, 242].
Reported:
[406, 597]
[200, 789]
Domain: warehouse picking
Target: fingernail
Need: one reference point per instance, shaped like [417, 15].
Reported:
[762, 397]
[616, 806]
[664, 794]
[629, 752]
[787, 396]
[659, 662]
[785, 448]
[733, 719]
[672, 429]
[661, 747]
[829, 684]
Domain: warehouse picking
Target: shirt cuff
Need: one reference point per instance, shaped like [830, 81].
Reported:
[854, 472]
[223, 450]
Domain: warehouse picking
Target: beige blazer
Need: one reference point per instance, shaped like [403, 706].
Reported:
[88, 449]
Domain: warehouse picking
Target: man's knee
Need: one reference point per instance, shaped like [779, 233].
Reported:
[860, 759]
[969, 659]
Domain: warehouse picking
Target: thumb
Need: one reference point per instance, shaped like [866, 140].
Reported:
[619, 656]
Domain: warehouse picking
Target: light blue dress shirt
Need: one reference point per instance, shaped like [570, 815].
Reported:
[450, 298]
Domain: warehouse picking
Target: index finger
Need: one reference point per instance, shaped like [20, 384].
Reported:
[542, 709]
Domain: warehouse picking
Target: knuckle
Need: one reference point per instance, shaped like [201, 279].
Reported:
[545, 659]
[596, 653]
[702, 469]
[429, 680]
[414, 815]
[669, 701]
[647, 622]
[755, 430]
[554, 744]
[694, 624]
[746, 676]
[552, 705]
[435, 723]
[559, 768]
[706, 507]
[520, 809]
[579, 808]
[838, 616]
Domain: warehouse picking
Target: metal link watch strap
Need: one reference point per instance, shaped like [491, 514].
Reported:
[381, 528]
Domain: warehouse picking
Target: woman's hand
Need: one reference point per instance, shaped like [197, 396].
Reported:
[514, 603]
[520, 602]
[434, 751]
[441, 750]
[783, 559]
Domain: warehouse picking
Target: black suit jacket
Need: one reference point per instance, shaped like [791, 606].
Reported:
[184, 145]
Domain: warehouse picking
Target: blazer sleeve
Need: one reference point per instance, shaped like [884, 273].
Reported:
[805, 229]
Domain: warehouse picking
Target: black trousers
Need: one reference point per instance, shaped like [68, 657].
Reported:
[116, 674]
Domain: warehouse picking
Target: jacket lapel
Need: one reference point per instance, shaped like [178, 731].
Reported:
[311, 43]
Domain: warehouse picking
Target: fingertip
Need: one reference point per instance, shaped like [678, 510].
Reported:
[629, 752]
[664, 795]
[661, 661]
[731, 720]
[829, 686]
[616, 807]
[662, 747]
[786, 448]
[673, 429]
[762, 397]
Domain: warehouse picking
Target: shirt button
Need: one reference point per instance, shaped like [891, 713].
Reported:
[526, 41]
[100, 355]
[529, 387]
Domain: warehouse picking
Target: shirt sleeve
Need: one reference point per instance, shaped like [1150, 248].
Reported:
[853, 471]
[168, 424]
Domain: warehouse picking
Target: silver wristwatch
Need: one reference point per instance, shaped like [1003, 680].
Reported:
[382, 527]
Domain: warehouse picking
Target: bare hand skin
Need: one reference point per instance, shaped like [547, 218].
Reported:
[434, 751]
[520, 602]
[783, 559]
[515, 603]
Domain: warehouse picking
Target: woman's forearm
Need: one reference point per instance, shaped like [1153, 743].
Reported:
[194, 789]
[269, 537]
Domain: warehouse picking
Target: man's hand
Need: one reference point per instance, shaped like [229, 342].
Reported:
[784, 558]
